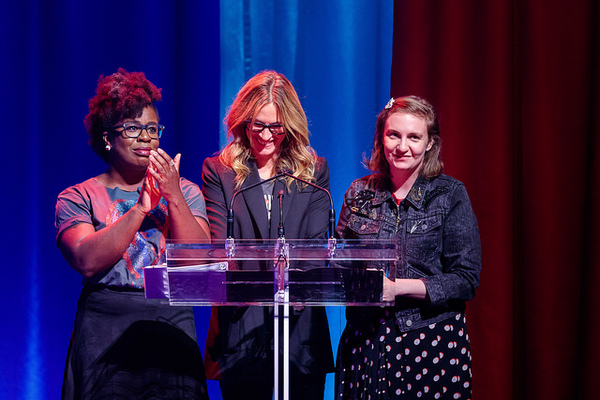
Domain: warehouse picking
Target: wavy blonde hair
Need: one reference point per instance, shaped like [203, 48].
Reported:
[296, 155]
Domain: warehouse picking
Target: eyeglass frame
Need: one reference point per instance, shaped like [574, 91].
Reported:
[248, 121]
[142, 127]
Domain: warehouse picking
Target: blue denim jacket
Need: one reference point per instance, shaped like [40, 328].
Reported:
[438, 242]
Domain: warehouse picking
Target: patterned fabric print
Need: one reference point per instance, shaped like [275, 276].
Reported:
[268, 203]
[430, 363]
[141, 251]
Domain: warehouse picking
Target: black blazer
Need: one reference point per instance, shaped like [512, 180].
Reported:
[240, 339]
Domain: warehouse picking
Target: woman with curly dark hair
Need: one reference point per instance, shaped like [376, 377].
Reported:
[111, 226]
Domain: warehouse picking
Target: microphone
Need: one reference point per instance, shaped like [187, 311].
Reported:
[230, 210]
[280, 229]
[287, 172]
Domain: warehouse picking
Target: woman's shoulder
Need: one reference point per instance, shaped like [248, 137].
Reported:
[89, 185]
[446, 180]
[321, 165]
[213, 166]
[372, 181]
[211, 162]
[186, 184]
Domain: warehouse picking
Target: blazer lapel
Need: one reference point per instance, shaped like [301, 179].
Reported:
[255, 202]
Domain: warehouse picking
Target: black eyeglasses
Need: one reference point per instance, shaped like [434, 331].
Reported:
[256, 126]
[133, 130]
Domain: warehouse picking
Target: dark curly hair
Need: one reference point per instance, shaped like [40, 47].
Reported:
[119, 96]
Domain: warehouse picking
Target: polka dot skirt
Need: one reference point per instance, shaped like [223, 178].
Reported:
[376, 361]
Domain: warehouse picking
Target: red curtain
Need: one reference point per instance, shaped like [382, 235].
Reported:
[516, 85]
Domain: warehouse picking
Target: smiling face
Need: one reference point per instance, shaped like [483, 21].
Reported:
[132, 154]
[264, 145]
[405, 141]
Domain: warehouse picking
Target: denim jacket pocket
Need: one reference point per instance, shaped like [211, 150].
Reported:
[424, 236]
[363, 225]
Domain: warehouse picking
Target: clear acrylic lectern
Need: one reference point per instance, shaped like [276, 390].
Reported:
[277, 273]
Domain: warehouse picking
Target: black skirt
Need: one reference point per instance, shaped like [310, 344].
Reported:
[378, 362]
[125, 346]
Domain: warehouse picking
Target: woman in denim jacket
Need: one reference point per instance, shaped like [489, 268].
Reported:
[418, 348]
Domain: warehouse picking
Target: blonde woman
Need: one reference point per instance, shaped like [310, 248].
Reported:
[269, 133]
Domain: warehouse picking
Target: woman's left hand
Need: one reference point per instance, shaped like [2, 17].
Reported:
[389, 289]
[165, 171]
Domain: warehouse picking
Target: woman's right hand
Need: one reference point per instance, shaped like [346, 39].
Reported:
[149, 195]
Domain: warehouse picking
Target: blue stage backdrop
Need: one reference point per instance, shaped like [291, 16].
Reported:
[336, 53]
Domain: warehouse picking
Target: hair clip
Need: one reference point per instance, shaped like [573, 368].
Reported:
[389, 104]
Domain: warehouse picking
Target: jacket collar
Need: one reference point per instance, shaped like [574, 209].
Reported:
[417, 195]
[255, 202]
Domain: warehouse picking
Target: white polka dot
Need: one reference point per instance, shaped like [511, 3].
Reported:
[436, 378]
[387, 330]
[431, 326]
[418, 359]
[426, 389]
[436, 360]
[447, 328]
[398, 339]
[419, 394]
[463, 350]
[465, 367]
[422, 336]
[466, 384]
[408, 368]
[381, 338]
[455, 379]
[437, 396]
[398, 392]
[417, 341]
[368, 342]
[398, 356]
[398, 374]
[434, 343]
[418, 377]
[409, 387]
[425, 371]
[407, 351]
[424, 354]
[452, 361]
[450, 345]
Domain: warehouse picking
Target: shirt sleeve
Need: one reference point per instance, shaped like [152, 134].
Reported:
[73, 207]
[461, 253]
[194, 198]
[318, 213]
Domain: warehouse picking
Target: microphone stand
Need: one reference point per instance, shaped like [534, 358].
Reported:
[281, 306]
[281, 271]
[331, 241]
[230, 241]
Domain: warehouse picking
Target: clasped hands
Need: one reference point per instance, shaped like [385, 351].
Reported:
[161, 180]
